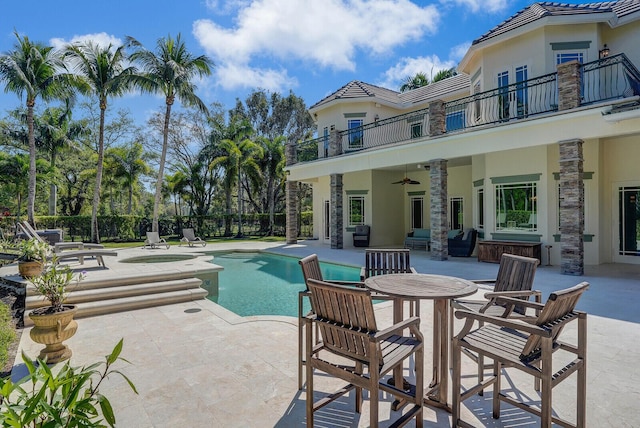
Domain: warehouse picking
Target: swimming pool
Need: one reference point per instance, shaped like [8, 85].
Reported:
[266, 284]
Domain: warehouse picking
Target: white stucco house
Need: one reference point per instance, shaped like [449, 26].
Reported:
[537, 139]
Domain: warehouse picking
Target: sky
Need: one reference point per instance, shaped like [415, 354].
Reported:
[310, 47]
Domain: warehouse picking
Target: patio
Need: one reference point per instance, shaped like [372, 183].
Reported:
[198, 364]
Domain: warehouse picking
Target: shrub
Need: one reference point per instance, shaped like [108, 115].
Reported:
[7, 333]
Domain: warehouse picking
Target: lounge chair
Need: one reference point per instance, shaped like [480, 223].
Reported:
[189, 236]
[361, 236]
[527, 347]
[348, 328]
[81, 249]
[463, 246]
[155, 241]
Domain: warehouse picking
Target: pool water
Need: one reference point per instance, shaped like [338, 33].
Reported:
[267, 284]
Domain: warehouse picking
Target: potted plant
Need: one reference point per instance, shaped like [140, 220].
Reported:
[54, 324]
[33, 255]
[68, 397]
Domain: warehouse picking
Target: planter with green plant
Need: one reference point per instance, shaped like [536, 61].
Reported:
[33, 255]
[54, 324]
[68, 397]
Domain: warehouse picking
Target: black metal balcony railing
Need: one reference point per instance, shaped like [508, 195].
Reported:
[605, 79]
[515, 101]
[609, 78]
[386, 131]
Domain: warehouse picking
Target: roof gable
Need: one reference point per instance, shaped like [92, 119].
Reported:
[541, 10]
[358, 90]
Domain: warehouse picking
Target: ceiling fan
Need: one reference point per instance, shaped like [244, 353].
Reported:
[406, 180]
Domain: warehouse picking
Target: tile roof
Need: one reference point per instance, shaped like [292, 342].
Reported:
[540, 10]
[357, 89]
[440, 89]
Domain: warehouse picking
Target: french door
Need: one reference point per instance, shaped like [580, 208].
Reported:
[627, 216]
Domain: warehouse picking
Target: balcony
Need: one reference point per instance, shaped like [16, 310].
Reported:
[606, 79]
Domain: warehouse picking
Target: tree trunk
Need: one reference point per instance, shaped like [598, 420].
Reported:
[95, 235]
[31, 198]
[163, 156]
[239, 235]
[227, 219]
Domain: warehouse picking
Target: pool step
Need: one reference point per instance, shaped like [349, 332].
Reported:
[115, 297]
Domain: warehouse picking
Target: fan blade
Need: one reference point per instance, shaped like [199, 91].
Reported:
[414, 182]
[398, 182]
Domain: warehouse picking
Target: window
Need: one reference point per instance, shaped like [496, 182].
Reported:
[327, 219]
[416, 130]
[355, 134]
[325, 140]
[356, 210]
[456, 205]
[522, 92]
[569, 56]
[503, 95]
[476, 103]
[516, 207]
[629, 220]
[417, 208]
[480, 205]
[455, 120]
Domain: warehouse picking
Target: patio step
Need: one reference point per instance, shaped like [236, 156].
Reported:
[113, 296]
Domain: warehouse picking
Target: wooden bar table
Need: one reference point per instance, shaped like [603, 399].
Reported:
[440, 289]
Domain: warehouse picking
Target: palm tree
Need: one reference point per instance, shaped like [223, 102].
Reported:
[129, 164]
[414, 82]
[272, 165]
[238, 156]
[169, 70]
[57, 131]
[444, 74]
[103, 71]
[32, 69]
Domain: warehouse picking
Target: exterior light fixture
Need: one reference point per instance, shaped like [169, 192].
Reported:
[604, 52]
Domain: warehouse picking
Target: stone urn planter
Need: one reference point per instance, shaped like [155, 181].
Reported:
[30, 269]
[51, 329]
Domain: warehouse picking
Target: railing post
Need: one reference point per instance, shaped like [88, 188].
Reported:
[437, 118]
[335, 143]
[569, 85]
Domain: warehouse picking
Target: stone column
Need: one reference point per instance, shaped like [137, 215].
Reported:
[336, 211]
[291, 189]
[291, 196]
[335, 143]
[569, 92]
[437, 118]
[439, 226]
[291, 153]
[571, 208]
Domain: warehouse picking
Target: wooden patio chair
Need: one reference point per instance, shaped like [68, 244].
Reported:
[189, 237]
[385, 262]
[514, 279]
[527, 347]
[348, 330]
[310, 270]
[155, 241]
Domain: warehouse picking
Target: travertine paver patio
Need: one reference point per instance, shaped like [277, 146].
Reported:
[197, 364]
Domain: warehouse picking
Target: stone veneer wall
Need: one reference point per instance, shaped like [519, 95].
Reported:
[437, 118]
[569, 85]
[438, 188]
[335, 143]
[336, 212]
[571, 207]
[291, 189]
[291, 197]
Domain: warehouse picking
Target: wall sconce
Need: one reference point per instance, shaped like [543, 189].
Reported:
[604, 52]
[376, 117]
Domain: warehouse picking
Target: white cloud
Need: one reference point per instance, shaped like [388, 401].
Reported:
[328, 33]
[232, 76]
[101, 39]
[491, 6]
[457, 52]
[428, 65]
